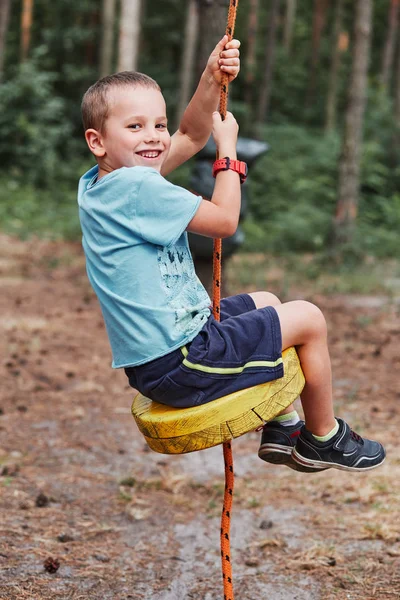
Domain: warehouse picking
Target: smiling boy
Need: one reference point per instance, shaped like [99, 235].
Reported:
[135, 130]
[156, 311]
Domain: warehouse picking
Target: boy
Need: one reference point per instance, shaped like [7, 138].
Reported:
[157, 313]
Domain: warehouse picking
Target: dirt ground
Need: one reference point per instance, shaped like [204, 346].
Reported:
[88, 512]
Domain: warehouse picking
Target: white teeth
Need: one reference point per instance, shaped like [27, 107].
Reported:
[149, 154]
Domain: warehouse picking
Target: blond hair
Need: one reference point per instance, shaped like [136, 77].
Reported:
[95, 102]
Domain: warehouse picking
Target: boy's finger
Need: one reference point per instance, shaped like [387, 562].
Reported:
[232, 44]
[221, 44]
[229, 62]
[229, 54]
[229, 70]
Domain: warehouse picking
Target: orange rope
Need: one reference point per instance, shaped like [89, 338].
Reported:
[227, 448]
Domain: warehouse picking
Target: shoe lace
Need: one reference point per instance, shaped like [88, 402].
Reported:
[357, 438]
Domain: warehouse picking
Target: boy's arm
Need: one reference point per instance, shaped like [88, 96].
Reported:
[219, 218]
[196, 124]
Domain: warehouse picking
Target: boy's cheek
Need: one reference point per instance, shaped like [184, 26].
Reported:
[167, 151]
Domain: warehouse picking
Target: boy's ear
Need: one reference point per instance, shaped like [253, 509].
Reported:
[95, 142]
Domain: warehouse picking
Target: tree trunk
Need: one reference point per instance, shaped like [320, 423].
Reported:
[289, 23]
[251, 56]
[319, 20]
[213, 16]
[396, 136]
[26, 27]
[349, 163]
[4, 18]
[263, 104]
[187, 64]
[331, 101]
[212, 26]
[106, 52]
[91, 46]
[129, 33]
[389, 47]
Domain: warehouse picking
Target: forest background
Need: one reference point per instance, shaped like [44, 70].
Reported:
[320, 83]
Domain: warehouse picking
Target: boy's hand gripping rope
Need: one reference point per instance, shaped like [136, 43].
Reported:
[227, 448]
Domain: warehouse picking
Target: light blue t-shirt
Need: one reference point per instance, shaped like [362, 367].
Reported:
[139, 263]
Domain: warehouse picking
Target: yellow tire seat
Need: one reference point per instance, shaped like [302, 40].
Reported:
[179, 430]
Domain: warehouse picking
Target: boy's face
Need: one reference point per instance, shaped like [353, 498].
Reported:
[135, 132]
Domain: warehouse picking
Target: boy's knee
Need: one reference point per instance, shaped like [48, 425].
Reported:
[262, 299]
[316, 323]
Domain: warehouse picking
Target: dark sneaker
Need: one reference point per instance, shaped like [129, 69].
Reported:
[346, 450]
[277, 443]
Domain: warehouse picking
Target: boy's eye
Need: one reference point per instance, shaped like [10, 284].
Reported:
[134, 126]
[162, 125]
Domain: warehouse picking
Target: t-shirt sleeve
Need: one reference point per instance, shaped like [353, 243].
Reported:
[162, 211]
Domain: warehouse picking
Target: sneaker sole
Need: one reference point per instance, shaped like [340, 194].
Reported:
[275, 454]
[282, 455]
[321, 465]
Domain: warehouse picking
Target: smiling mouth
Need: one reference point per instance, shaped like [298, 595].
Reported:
[149, 153]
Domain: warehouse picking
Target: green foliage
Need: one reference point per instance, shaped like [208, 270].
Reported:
[161, 59]
[33, 128]
[26, 211]
[293, 188]
[293, 191]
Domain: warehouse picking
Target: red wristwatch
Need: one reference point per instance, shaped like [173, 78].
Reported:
[224, 164]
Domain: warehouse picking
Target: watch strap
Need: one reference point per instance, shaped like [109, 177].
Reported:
[226, 163]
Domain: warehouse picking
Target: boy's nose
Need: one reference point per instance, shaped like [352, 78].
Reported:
[152, 134]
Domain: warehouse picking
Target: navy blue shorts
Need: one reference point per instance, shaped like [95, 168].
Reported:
[241, 351]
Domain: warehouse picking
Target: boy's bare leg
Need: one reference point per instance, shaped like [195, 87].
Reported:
[303, 326]
[324, 442]
[262, 299]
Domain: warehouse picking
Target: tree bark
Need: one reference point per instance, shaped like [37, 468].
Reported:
[389, 47]
[251, 55]
[319, 20]
[188, 54]
[4, 18]
[106, 53]
[26, 27]
[349, 163]
[290, 15]
[129, 33]
[396, 136]
[91, 47]
[265, 94]
[212, 26]
[331, 102]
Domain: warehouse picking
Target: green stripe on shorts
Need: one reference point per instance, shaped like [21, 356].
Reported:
[228, 370]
